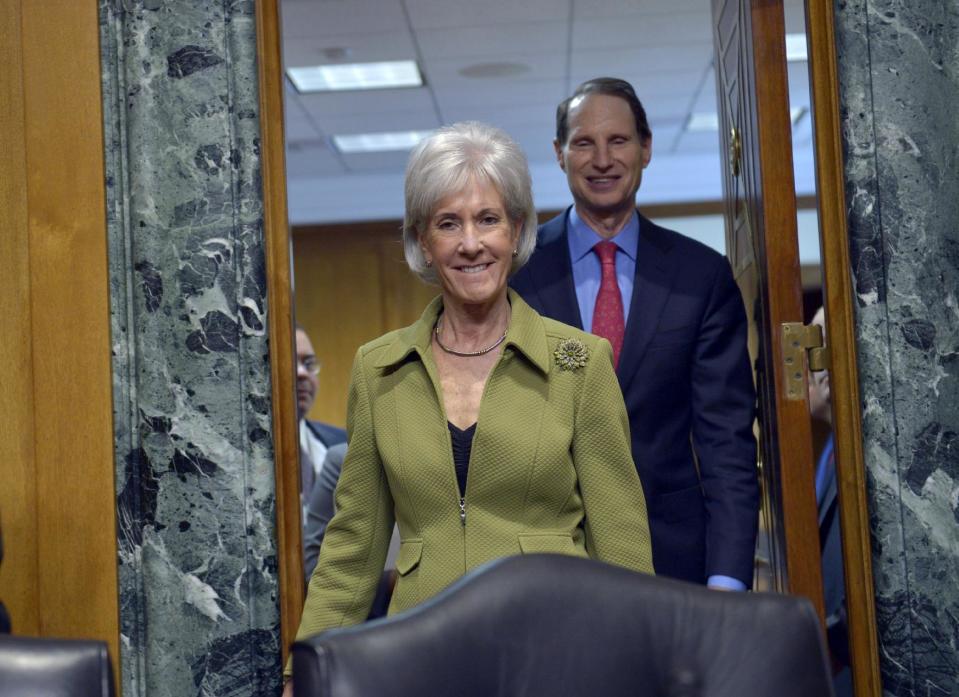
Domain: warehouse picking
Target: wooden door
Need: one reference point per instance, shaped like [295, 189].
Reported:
[57, 495]
[761, 238]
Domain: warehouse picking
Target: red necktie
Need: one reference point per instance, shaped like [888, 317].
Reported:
[608, 319]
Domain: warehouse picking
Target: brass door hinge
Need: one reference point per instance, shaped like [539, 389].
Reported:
[799, 339]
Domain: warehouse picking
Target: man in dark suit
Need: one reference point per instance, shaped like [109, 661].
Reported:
[315, 437]
[830, 540]
[674, 315]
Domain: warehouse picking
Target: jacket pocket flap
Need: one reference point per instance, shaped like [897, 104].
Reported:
[557, 543]
[409, 556]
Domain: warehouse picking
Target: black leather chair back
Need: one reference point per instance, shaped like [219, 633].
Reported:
[54, 668]
[558, 626]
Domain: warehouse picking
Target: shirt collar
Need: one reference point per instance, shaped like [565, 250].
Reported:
[582, 238]
[526, 333]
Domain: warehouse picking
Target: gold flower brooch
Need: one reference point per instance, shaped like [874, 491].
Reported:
[571, 354]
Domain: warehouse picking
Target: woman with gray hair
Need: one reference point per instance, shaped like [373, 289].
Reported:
[484, 430]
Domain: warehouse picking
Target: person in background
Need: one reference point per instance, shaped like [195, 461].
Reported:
[830, 539]
[483, 429]
[315, 437]
[320, 508]
[674, 316]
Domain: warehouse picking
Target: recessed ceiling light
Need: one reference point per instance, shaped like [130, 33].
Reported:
[378, 142]
[356, 76]
[493, 70]
[796, 47]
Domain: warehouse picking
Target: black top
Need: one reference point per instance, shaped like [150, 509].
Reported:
[462, 445]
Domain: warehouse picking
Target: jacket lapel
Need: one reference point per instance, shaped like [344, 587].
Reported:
[411, 380]
[655, 271]
[510, 422]
[552, 273]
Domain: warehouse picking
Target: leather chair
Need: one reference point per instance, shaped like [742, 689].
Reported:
[54, 668]
[559, 626]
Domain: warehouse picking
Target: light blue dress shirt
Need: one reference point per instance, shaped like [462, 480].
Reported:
[587, 270]
[587, 275]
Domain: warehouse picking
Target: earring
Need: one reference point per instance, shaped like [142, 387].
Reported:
[429, 264]
[515, 252]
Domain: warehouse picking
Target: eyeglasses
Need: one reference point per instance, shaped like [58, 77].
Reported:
[309, 364]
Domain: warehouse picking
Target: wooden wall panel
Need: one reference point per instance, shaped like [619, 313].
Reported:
[351, 285]
[62, 538]
[18, 574]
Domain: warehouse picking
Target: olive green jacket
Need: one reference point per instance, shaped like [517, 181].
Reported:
[550, 469]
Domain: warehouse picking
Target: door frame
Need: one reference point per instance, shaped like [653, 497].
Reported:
[280, 319]
[838, 292]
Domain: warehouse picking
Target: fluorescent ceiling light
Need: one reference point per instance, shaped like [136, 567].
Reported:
[796, 47]
[356, 76]
[378, 142]
[709, 121]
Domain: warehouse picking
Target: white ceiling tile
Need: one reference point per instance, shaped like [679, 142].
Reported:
[486, 44]
[542, 66]
[664, 134]
[663, 47]
[532, 100]
[795, 14]
[698, 142]
[380, 121]
[360, 48]
[313, 160]
[642, 30]
[539, 115]
[428, 14]
[798, 76]
[305, 18]
[394, 161]
[413, 99]
[627, 8]
[654, 59]
[298, 127]
[706, 99]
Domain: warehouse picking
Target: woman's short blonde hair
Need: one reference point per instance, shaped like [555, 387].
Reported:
[444, 163]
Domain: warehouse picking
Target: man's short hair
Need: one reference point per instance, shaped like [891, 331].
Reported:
[613, 87]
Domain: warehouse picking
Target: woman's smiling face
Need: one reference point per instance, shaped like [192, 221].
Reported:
[469, 240]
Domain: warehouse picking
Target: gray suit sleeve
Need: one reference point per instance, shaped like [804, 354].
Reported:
[319, 509]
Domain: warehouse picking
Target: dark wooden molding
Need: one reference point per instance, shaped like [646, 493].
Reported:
[838, 295]
[276, 239]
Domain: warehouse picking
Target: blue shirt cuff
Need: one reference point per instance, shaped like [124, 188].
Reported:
[726, 582]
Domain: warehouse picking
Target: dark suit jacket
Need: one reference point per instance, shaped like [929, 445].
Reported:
[329, 435]
[686, 379]
[320, 508]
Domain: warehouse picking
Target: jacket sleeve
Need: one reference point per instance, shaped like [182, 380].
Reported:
[617, 528]
[723, 407]
[354, 549]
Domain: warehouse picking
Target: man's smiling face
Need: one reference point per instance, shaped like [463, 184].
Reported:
[603, 157]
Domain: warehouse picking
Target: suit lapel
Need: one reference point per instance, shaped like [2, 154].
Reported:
[552, 273]
[655, 271]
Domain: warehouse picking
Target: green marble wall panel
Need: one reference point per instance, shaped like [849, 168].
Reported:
[899, 85]
[197, 564]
